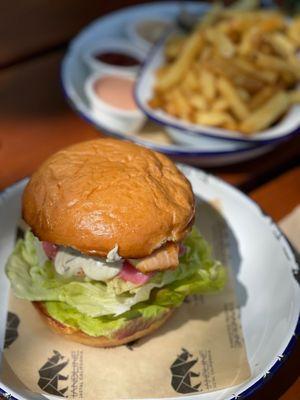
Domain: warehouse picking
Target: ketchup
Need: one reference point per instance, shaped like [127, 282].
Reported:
[119, 59]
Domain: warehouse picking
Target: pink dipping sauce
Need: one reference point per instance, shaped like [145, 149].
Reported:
[116, 91]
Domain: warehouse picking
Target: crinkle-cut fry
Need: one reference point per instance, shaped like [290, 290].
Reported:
[181, 66]
[214, 118]
[236, 104]
[250, 68]
[262, 96]
[207, 84]
[267, 114]
[281, 44]
[294, 96]
[277, 64]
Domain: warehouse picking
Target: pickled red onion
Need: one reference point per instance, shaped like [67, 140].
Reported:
[50, 249]
[130, 274]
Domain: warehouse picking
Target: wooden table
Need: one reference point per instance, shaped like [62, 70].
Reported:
[35, 121]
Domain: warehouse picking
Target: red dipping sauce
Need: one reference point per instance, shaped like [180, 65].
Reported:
[117, 58]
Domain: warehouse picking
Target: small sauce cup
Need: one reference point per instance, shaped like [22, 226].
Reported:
[113, 56]
[111, 97]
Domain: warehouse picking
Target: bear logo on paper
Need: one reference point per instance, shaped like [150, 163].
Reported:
[12, 324]
[182, 373]
[50, 375]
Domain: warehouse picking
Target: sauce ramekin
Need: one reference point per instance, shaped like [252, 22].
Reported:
[112, 45]
[126, 121]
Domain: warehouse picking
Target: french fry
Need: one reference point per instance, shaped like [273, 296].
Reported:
[249, 42]
[215, 119]
[182, 106]
[227, 69]
[211, 16]
[272, 23]
[221, 41]
[238, 70]
[207, 84]
[191, 81]
[235, 102]
[182, 63]
[261, 97]
[293, 31]
[156, 102]
[267, 114]
[281, 44]
[277, 64]
[244, 95]
[294, 96]
[248, 67]
[220, 105]
[174, 46]
[198, 102]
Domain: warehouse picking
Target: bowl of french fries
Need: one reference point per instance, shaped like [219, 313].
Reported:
[236, 76]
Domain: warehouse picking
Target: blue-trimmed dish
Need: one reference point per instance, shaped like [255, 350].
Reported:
[206, 151]
[268, 293]
[287, 127]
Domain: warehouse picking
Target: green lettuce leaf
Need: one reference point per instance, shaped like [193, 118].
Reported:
[107, 325]
[35, 279]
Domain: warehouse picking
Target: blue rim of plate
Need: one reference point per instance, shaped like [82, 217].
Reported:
[289, 252]
[162, 149]
[190, 130]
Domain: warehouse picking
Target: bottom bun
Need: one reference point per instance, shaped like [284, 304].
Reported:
[135, 329]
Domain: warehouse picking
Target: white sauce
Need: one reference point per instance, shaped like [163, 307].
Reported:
[69, 262]
[113, 255]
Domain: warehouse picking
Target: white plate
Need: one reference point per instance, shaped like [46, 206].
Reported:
[205, 151]
[267, 291]
[288, 126]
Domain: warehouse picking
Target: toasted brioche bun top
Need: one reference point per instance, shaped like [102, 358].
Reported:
[96, 194]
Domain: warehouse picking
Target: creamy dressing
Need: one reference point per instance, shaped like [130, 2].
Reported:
[116, 91]
[69, 262]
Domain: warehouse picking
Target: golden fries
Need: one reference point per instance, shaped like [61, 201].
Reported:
[294, 97]
[238, 70]
[208, 84]
[267, 114]
[177, 70]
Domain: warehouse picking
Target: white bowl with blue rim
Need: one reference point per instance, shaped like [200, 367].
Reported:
[263, 265]
[204, 151]
[286, 127]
